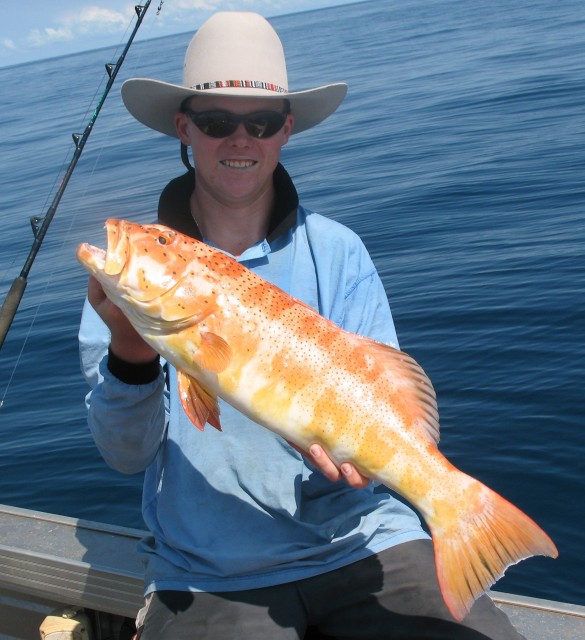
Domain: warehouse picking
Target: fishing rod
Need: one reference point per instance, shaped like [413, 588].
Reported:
[14, 296]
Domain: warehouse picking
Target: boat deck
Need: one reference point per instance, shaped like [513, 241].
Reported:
[49, 561]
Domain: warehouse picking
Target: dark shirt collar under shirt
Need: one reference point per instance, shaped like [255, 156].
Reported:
[174, 205]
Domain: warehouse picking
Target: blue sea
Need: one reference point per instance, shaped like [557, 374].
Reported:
[458, 156]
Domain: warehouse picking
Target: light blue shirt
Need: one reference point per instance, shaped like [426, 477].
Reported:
[241, 509]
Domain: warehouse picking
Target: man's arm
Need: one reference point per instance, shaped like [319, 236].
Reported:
[126, 407]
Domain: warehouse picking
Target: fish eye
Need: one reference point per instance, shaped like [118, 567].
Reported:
[165, 237]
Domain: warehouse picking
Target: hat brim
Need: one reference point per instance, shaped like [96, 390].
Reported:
[154, 103]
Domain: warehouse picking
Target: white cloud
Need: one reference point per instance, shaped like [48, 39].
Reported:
[8, 43]
[86, 20]
[38, 38]
[179, 6]
[182, 9]
[93, 18]
[186, 15]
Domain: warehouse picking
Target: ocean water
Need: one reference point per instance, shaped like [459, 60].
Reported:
[458, 156]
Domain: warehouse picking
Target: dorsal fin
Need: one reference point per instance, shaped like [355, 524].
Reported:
[414, 383]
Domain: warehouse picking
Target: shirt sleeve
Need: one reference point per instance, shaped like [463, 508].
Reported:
[127, 421]
[367, 311]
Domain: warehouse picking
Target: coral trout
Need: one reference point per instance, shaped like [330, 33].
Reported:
[231, 334]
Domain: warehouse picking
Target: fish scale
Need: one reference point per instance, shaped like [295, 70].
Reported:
[232, 335]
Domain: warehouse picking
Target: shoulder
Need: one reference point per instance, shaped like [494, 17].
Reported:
[320, 223]
[333, 238]
[349, 288]
[336, 245]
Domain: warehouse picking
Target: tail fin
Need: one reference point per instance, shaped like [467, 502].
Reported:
[473, 552]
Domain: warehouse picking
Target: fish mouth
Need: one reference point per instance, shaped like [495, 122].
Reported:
[92, 258]
[112, 261]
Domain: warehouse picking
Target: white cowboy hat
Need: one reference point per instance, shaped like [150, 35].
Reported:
[232, 54]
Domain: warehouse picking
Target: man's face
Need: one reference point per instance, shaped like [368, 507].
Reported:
[237, 169]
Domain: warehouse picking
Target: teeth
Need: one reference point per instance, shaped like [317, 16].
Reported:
[238, 164]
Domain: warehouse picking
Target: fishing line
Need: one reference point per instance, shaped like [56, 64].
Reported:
[137, 61]
[107, 133]
[40, 224]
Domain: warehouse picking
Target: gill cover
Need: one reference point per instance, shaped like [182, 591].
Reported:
[155, 273]
[145, 258]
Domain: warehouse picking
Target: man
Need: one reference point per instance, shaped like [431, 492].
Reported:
[250, 538]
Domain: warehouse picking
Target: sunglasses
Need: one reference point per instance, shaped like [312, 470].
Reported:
[221, 124]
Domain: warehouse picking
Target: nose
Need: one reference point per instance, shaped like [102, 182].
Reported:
[240, 133]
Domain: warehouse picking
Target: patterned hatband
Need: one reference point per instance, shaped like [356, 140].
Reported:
[249, 84]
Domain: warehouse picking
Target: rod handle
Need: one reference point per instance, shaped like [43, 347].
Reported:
[10, 306]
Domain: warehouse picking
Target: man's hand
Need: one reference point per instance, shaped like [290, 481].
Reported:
[330, 470]
[125, 342]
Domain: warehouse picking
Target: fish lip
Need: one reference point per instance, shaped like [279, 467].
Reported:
[92, 257]
[111, 260]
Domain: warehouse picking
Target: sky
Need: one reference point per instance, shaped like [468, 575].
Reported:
[36, 29]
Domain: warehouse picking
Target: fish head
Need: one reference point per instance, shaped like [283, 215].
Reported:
[152, 272]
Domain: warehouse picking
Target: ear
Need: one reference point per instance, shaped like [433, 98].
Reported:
[182, 126]
[288, 127]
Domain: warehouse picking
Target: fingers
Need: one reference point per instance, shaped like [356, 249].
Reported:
[108, 311]
[125, 341]
[95, 292]
[353, 477]
[334, 473]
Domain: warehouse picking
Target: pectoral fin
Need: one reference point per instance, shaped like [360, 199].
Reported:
[198, 403]
[214, 353]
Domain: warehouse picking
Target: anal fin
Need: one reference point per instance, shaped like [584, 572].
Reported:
[199, 404]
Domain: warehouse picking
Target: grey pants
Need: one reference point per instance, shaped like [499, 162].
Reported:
[394, 595]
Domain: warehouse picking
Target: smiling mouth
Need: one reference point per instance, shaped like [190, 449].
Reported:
[238, 164]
